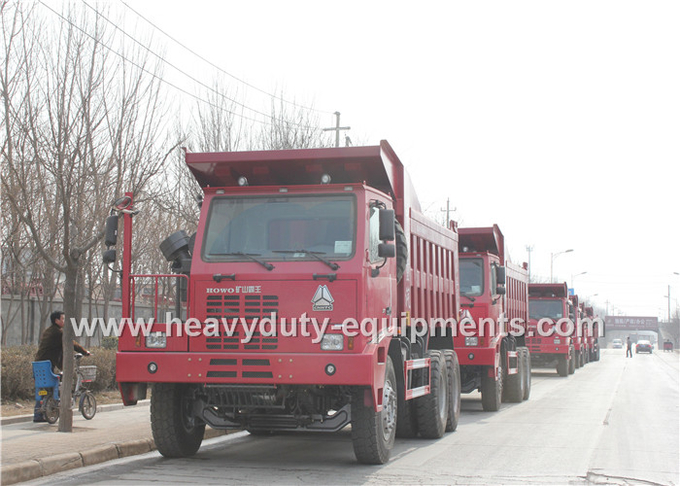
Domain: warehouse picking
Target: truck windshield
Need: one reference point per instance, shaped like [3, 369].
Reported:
[546, 308]
[281, 228]
[471, 276]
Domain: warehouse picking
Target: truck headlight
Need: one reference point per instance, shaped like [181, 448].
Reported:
[156, 340]
[472, 341]
[332, 342]
[557, 341]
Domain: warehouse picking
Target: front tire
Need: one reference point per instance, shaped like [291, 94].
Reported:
[492, 392]
[514, 385]
[373, 432]
[527, 370]
[175, 433]
[572, 362]
[563, 365]
[87, 405]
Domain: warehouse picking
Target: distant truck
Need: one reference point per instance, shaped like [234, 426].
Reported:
[592, 334]
[492, 360]
[336, 235]
[549, 304]
[577, 337]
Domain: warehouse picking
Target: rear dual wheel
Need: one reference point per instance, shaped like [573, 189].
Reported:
[433, 409]
[453, 370]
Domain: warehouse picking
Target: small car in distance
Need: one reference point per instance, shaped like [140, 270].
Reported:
[617, 343]
[643, 346]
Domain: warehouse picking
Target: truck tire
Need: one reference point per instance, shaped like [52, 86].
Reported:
[402, 250]
[527, 371]
[577, 362]
[433, 408]
[597, 354]
[492, 392]
[373, 432]
[513, 388]
[562, 365]
[173, 434]
[573, 361]
[453, 371]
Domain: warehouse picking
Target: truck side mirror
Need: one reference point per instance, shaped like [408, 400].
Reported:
[500, 290]
[387, 250]
[111, 230]
[386, 225]
[109, 256]
[500, 275]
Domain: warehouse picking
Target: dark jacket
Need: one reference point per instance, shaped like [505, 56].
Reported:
[50, 347]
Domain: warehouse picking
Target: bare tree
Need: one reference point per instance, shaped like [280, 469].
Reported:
[86, 118]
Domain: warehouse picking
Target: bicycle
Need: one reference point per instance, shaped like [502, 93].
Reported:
[46, 381]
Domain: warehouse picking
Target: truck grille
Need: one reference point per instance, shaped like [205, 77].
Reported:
[235, 307]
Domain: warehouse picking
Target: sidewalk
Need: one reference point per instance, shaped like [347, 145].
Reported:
[32, 450]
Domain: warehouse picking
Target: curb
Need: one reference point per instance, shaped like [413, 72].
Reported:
[16, 419]
[37, 468]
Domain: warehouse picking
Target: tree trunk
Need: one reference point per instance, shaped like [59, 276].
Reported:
[70, 283]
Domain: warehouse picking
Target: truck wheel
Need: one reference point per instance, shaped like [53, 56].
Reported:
[492, 392]
[562, 365]
[402, 250]
[597, 355]
[174, 434]
[527, 372]
[453, 371]
[513, 388]
[433, 409]
[572, 362]
[577, 362]
[373, 432]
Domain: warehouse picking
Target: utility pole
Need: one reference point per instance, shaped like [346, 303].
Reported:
[448, 212]
[530, 248]
[337, 128]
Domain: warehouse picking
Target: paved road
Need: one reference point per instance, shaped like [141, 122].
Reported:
[613, 422]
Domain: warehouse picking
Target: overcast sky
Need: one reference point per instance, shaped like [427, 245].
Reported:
[559, 121]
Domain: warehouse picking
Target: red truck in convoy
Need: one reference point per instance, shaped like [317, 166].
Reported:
[330, 236]
[493, 356]
[591, 334]
[550, 307]
[577, 338]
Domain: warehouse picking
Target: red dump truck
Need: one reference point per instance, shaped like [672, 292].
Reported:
[550, 310]
[493, 357]
[287, 239]
[577, 338]
[591, 334]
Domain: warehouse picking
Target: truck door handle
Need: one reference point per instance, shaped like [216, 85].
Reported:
[329, 276]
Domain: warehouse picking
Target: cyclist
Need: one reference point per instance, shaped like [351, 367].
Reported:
[50, 348]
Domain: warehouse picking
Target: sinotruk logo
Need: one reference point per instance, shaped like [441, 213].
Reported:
[322, 300]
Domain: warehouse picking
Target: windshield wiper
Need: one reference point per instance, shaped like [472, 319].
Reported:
[251, 257]
[472, 299]
[314, 254]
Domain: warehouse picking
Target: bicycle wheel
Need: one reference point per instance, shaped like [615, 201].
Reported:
[88, 405]
[51, 410]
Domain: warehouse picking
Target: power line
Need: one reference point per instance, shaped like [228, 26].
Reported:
[162, 59]
[222, 70]
[196, 97]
